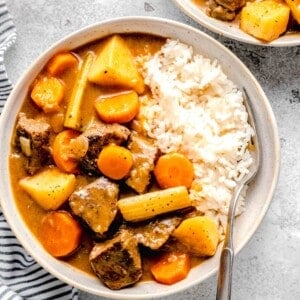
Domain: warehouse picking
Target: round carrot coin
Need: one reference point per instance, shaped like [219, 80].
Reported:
[171, 268]
[60, 233]
[174, 169]
[48, 93]
[120, 108]
[115, 162]
[61, 62]
[62, 154]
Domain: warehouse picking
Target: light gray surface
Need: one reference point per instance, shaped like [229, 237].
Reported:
[269, 266]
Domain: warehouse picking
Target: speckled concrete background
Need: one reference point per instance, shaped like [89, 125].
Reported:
[269, 266]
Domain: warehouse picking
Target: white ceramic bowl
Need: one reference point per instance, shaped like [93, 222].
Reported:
[231, 29]
[259, 194]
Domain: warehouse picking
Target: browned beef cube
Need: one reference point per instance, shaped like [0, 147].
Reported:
[117, 262]
[144, 154]
[220, 12]
[231, 4]
[32, 137]
[96, 204]
[225, 10]
[155, 233]
[99, 135]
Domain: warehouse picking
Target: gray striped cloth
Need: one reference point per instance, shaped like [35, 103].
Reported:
[20, 276]
[7, 38]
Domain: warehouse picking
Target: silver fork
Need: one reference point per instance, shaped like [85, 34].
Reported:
[7, 38]
[227, 255]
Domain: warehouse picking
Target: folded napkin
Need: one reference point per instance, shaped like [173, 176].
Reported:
[20, 276]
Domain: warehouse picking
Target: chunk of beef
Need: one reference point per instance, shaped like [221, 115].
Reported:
[219, 12]
[98, 135]
[173, 245]
[144, 154]
[232, 5]
[224, 10]
[117, 262]
[32, 138]
[96, 204]
[155, 233]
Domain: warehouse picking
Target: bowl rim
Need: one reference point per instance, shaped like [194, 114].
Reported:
[3, 162]
[190, 9]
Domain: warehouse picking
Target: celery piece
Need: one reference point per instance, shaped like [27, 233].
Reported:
[73, 115]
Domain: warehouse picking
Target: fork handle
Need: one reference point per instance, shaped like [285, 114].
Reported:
[225, 274]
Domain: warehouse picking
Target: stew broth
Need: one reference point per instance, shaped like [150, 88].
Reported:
[31, 212]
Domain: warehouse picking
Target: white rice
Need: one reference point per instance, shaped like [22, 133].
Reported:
[196, 110]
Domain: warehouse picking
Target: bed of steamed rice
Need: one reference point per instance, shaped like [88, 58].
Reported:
[196, 110]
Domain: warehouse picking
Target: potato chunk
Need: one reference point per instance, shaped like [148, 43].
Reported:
[294, 5]
[50, 188]
[199, 234]
[115, 66]
[265, 20]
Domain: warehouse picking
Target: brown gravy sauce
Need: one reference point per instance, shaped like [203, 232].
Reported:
[31, 212]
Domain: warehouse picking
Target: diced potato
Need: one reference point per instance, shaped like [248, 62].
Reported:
[265, 20]
[115, 66]
[294, 5]
[50, 188]
[200, 234]
[146, 206]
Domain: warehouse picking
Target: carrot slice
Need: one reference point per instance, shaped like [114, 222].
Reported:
[120, 108]
[60, 233]
[60, 62]
[115, 161]
[62, 151]
[48, 93]
[171, 267]
[174, 169]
